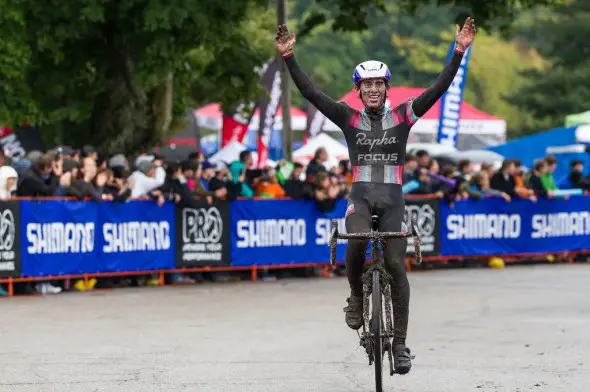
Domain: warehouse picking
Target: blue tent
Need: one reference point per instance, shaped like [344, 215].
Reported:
[530, 148]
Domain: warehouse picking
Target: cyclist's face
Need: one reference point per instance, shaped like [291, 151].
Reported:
[373, 93]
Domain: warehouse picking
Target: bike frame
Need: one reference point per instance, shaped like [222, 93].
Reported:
[384, 278]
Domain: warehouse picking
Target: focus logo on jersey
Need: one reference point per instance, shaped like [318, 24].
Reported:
[377, 158]
[363, 140]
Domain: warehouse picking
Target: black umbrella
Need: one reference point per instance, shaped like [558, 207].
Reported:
[174, 153]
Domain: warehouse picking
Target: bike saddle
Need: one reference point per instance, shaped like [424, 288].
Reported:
[375, 222]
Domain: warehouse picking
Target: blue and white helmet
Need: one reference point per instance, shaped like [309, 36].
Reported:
[369, 70]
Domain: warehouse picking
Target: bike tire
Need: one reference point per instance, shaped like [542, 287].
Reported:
[376, 332]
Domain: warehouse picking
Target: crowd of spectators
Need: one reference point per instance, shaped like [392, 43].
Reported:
[86, 174]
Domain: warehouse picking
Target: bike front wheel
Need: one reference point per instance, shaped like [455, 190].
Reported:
[376, 331]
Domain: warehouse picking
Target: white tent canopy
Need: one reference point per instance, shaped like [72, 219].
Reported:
[231, 153]
[336, 150]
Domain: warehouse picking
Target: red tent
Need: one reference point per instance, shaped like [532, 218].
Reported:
[397, 95]
[209, 116]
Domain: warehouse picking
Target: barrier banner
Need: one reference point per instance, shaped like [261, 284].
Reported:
[492, 226]
[135, 236]
[70, 237]
[58, 237]
[10, 237]
[282, 232]
[202, 234]
[426, 212]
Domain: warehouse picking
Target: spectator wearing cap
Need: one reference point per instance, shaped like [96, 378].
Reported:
[204, 174]
[576, 177]
[66, 152]
[149, 176]
[207, 173]
[90, 151]
[118, 161]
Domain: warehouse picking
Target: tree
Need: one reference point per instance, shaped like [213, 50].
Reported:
[117, 72]
[415, 47]
[351, 15]
[564, 87]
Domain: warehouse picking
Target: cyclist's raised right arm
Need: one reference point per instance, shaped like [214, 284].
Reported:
[336, 112]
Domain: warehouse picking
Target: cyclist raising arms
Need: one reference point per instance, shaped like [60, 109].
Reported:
[376, 138]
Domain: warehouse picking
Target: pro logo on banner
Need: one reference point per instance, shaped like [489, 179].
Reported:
[9, 238]
[203, 235]
[426, 214]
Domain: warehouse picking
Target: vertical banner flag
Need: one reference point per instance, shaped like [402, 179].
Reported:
[18, 142]
[315, 122]
[450, 103]
[269, 104]
[235, 123]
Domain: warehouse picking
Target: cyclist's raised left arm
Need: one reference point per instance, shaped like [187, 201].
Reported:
[463, 37]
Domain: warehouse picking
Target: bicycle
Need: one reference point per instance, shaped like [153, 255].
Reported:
[376, 338]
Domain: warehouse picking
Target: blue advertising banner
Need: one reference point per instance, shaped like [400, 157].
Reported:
[493, 226]
[134, 236]
[450, 102]
[68, 237]
[269, 232]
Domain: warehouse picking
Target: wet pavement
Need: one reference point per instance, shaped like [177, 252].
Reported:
[524, 328]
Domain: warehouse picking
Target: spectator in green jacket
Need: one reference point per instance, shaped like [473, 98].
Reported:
[547, 178]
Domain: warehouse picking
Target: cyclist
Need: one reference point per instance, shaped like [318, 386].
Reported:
[376, 138]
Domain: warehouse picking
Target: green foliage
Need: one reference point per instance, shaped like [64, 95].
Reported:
[117, 72]
[353, 15]
[563, 88]
[415, 48]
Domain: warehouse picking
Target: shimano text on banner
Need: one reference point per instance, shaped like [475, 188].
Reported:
[294, 231]
[70, 237]
[450, 103]
[495, 227]
[315, 122]
[202, 234]
[269, 104]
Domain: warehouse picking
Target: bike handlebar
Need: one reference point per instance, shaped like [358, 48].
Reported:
[374, 235]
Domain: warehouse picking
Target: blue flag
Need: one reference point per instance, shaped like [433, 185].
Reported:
[450, 102]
